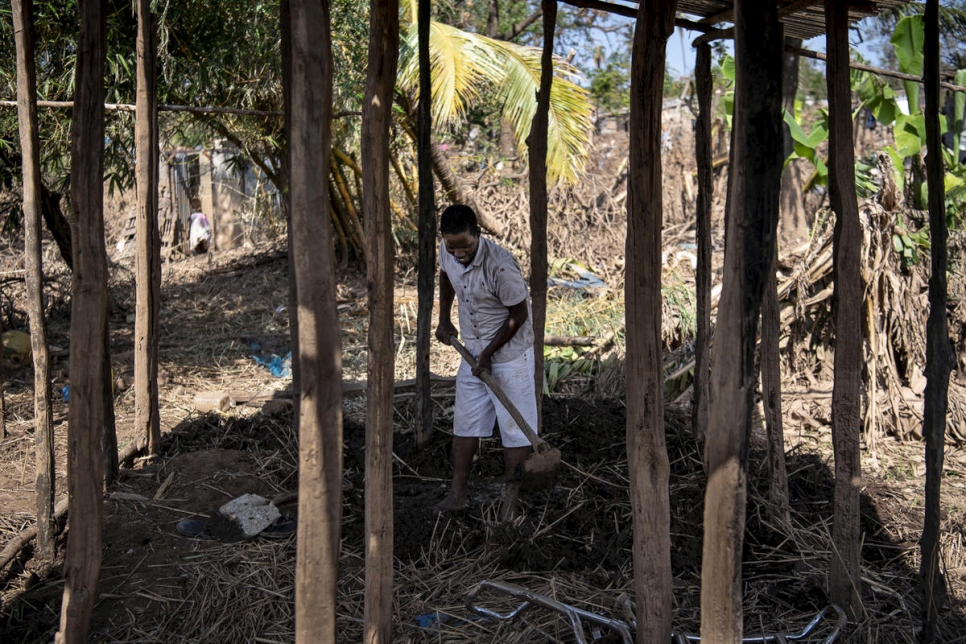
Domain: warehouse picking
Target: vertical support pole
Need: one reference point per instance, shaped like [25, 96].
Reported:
[537, 143]
[376, 119]
[702, 285]
[939, 355]
[319, 342]
[30, 150]
[844, 579]
[751, 222]
[88, 331]
[147, 419]
[427, 232]
[646, 448]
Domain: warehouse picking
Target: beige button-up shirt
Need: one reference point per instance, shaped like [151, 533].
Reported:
[485, 290]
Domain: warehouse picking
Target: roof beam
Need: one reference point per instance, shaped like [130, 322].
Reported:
[718, 34]
[792, 7]
[631, 12]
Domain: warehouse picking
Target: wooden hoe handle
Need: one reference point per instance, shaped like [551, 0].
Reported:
[538, 443]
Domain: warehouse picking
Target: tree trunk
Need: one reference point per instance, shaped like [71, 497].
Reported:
[88, 328]
[456, 193]
[493, 19]
[702, 150]
[793, 225]
[30, 147]
[285, 36]
[939, 355]
[147, 420]
[320, 360]
[427, 233]
[752, 221]
[844, 580]
[646, 447]
[57, 224]
[376, 119]
[771, 390]
[537, 142]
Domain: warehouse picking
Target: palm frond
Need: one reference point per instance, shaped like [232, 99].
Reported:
[465, 65]
[569, 120]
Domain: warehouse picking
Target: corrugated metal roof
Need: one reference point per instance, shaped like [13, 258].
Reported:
[806, 21]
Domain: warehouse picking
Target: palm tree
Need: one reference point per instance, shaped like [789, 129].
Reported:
[466, 66]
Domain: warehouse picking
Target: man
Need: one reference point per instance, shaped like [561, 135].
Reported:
[199, 231]
[494, 320]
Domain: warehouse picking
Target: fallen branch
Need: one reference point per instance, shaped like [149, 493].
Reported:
[16, 544]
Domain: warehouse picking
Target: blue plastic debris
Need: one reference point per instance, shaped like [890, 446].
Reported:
[586, 281]
[65, 392]
[280, 366]
[429, 620]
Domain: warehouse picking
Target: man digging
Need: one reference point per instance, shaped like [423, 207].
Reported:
[494, 320]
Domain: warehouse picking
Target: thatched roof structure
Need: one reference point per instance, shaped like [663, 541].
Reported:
[802, 18]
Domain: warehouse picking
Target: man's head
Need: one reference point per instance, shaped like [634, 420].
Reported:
[461, 232]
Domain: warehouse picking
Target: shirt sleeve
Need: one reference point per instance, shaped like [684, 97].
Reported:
[511, 288]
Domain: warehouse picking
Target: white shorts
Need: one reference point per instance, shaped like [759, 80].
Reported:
[477, 407]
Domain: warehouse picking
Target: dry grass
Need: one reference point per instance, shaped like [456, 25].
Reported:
[245, 591]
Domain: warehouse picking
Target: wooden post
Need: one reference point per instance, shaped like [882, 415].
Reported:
[646, 447]
[376, 119]
[751, 223]
[285, 37]
[702, 285]
[88, 329]
[320, 358]
[147, 420]
[793, 221]
[939, 355]
[537, 145]
[426, 287]
[844, 580]
[771, 393]
[30, 150]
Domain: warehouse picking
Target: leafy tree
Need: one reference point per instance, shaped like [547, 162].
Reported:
[227, 55]
[610, 82]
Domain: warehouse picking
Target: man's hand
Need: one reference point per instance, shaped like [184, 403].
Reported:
[445, 331]
[484, 362]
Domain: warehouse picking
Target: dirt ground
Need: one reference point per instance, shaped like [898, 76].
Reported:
[572, 542]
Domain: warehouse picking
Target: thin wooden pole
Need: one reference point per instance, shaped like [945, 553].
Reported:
[30, 150]
[702, 153]
[537, 143]
[320, 359]
[771, 392]
[88, 329]
[427, 232]
[147, 420]
[376, 120]
[845, 579]
[751, 223]
[939, 355]
[646, 448]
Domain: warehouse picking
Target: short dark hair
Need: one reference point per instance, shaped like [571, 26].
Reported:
[459, 218]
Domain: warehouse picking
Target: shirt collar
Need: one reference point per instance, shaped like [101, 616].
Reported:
[480, 252]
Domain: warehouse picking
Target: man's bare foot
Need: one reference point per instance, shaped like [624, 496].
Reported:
[452, 503]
